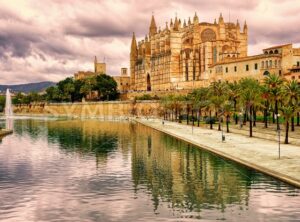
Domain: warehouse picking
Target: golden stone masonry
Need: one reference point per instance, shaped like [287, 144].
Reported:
[186, 55]
[192, 54]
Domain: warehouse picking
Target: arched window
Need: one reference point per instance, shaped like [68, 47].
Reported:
[276, 51]
[186, 71]
[263, 64]
[266, 73]
[270, 63]
[266, 52]
[271, 52]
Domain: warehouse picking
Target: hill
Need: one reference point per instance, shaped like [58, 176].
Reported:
[26, 88]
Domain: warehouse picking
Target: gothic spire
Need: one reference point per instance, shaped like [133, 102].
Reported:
[245, 27]
[196, 19]
[167, 28]
[133, 43]
[238, 25]
[176, 24]
[221, 20]
[153, 27]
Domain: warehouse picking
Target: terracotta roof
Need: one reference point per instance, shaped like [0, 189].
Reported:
[261, 56]
[278, 46]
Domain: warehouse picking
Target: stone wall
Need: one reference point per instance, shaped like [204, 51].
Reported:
[118, 109]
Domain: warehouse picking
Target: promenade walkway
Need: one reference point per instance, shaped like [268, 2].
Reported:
[257, 153]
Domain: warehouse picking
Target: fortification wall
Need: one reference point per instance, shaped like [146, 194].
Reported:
[118, 109]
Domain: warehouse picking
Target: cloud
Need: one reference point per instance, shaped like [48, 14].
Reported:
[52, 39]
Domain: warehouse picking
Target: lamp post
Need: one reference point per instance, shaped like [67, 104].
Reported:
[241, 118]
[278, 132]
[222, 117]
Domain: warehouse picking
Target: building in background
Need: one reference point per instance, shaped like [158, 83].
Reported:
[123, 81]
[193, 54]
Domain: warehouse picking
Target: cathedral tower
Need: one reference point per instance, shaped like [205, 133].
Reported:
[133, 59]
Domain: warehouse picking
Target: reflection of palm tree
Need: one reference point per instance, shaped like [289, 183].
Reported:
[185, 176]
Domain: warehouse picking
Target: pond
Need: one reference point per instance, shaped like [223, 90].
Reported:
[91, 170]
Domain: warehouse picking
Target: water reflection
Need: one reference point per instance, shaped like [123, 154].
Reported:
[139, 175]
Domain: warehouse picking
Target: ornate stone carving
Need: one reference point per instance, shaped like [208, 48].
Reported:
[208, 35]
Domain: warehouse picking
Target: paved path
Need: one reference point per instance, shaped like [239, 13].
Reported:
[256, 153]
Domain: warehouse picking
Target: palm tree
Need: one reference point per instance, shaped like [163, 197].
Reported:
[233, 93]
[266, 104]
[200, 101]
[274, 85]
[292, 91]
[250, 92]
[218, 95]
[228, 109]
[287, 111]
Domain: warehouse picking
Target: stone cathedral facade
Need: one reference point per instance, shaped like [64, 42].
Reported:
[185, 55]
[180, 55]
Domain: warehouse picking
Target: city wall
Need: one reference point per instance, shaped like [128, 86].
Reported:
[115, 109]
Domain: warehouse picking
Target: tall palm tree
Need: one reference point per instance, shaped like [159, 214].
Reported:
[228, 109]
[233, 93]
[218, 95]
[200, 101]
[266, 103]
[292, 91]
[250, 92]
[287, 111]
[274, 85]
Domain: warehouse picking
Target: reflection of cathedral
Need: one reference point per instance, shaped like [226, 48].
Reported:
[184, 55]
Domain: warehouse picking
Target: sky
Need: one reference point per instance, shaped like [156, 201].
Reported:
[50, 40]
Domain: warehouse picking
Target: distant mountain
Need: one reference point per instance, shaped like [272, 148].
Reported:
[26, 88]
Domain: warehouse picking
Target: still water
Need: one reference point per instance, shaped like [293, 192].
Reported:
[71, 170]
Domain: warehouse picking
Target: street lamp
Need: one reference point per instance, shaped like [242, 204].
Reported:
[241, 118]
[223, 136]
[278, 132]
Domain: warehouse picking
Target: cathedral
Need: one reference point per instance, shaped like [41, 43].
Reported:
[189, 54]
[183, 51]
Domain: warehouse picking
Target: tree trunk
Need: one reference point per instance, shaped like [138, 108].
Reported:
[179, 116]
[250, 122]
[210, 120]
[286, 141]
[227, 123]
[245, 118]
[276, 110]
[293, 124]
[266, 118]
[273, 117]
[193, 121]
[236, 119]
[298, 118]
[219, 122]
[199, 116]
[254, 117]
[187, 115]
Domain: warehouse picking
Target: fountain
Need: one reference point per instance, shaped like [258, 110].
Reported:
[8, 106]
[8, 111]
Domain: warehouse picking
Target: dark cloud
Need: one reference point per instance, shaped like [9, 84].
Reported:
[51, 39]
